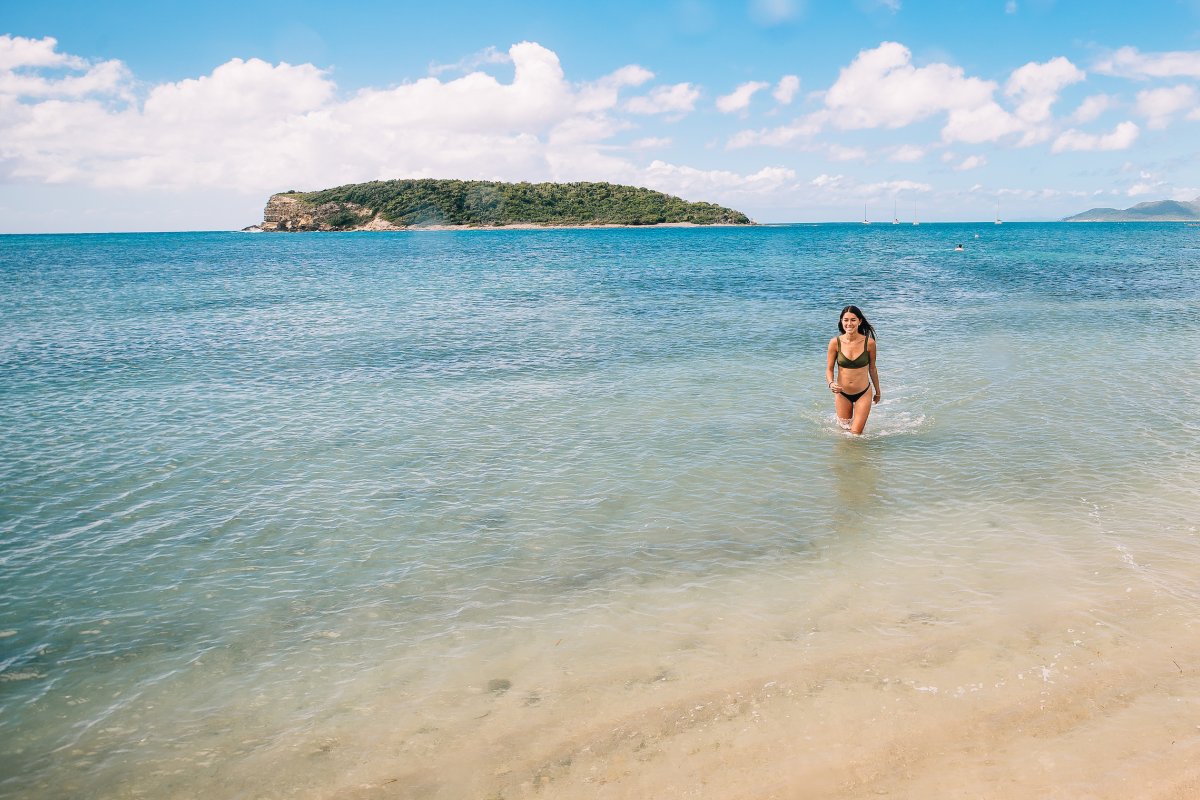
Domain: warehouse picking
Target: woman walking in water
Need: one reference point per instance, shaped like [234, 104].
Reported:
[855, 374]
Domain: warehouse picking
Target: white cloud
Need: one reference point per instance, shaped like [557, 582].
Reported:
[602, 94]
[1158, 106]
[252, 127]
[691, 182]
[677, 99]
[1121, 137]
[739, 98]
[1144, 188]
[782, 136]
[907, 154]
[785, 91]
[1010, 7]
[1092, 107]
[971, 162]
[894, 187]
[489, 55]
[1036, 87]
[239, 91]
[1031, 194]
[844, 187]
[584, 129]
[1129, 62]
[631, 75]
[882, 89]
[985, 123]
[232, 128]
[17, 52]
[107, 77]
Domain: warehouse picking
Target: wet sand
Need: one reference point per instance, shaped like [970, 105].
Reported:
[876, 690]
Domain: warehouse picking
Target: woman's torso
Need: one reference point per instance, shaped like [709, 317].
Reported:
[853, 364]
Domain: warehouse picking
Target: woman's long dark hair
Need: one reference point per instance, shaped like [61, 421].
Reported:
[864, 327]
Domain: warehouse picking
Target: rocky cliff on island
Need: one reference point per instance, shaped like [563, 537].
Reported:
[415, 204]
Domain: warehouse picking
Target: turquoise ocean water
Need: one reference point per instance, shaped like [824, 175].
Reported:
[244, 476]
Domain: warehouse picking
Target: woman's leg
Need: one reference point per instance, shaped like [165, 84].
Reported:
[844, 409]
[862, 410]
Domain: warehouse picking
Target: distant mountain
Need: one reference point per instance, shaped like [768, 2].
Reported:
[1157, 211]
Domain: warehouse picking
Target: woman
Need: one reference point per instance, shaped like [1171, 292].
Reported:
[854, 354]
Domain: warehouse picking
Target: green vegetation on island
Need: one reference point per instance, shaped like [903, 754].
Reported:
[381, 205]
[1156, 211]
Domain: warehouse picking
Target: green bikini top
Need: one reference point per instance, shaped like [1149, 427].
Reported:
[863, 359]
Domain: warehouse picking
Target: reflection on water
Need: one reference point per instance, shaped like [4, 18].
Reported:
[854, 463]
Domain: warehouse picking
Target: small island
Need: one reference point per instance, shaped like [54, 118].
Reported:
[451, 204]
[1156, 211]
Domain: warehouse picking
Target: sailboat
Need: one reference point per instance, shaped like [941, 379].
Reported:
[895, 219]
[915, 220]
[998, 222]
[865, 220]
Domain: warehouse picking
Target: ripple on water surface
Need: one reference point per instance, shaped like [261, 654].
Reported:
[248, 479]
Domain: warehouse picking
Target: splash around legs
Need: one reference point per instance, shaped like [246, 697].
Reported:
[852, 416]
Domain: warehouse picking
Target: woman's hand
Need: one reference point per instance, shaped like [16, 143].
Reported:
[835, 387]
[878, 395]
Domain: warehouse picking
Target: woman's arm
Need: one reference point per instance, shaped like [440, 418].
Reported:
[874, 372]
[830, 359]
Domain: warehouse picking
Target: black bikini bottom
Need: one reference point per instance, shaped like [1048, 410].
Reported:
[853, 398]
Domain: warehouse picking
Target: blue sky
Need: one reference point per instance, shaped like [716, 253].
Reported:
[183, 116]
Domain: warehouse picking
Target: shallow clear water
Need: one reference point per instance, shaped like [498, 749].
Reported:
[249, 481]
